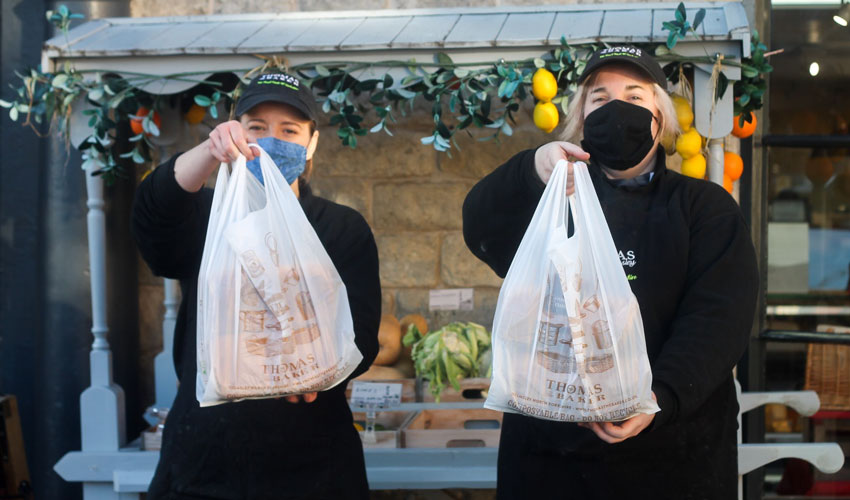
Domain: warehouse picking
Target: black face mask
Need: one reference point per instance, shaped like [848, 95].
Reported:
[618, 135]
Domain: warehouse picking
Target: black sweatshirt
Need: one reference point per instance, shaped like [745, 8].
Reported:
[691, 264]
[267, 448]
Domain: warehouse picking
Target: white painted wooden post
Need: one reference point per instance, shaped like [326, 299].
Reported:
[715, 160]
[713, 120]
[165, 376]
[102, 403]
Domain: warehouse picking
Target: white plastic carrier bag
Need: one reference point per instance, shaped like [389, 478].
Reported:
[273, 314]
[568, 340]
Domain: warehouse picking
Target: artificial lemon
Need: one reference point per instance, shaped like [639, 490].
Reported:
[546, 116]
[689, 144]
[694, 166]
[543, 85]
[684, 113]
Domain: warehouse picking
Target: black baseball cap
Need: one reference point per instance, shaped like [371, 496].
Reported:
[628, 54]
[278, 87]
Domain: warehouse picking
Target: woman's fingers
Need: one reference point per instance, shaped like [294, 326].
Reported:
[548, 155]
[216, 148]
[615, 432]
[224, 143]
[596, 427]
[237, 135]
[308, 397]
[573, 150]
[228, 142]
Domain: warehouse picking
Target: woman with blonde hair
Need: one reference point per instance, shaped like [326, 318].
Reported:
[690, 262]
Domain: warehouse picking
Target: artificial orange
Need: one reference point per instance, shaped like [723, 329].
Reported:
[747, 129]
[728, 183]
[136, 123]
[195, 114]
[733, 165]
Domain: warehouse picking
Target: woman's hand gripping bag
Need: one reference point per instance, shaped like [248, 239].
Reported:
[568, 341]
[273, 313]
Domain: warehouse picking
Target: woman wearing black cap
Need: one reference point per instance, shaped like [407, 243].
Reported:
[691, 264]
[269, 448]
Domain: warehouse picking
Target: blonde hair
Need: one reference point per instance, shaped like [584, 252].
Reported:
[668, 126]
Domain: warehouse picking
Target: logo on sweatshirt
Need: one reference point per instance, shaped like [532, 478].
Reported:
[627, 258]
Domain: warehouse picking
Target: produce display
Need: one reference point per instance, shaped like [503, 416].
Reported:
[445, 356]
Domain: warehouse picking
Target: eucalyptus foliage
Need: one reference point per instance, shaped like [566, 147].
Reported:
[462, 97]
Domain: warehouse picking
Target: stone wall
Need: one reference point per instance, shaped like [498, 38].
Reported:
[412, 197]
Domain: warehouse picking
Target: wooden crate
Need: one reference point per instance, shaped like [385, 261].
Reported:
[408, 388]
[471, 389]
[828, 372]
[390, 436]
[453, 429]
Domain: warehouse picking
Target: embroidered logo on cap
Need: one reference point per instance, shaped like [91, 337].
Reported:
[620, 51]
[279, 79]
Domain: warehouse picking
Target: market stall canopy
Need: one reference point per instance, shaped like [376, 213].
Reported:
[207, 44]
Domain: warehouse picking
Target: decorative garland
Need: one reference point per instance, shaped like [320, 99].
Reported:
[483, 95]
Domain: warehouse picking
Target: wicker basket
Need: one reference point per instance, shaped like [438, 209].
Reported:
[828, 373]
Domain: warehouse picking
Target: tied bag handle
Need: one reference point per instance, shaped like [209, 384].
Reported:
[560, 245]
[602, 244]
[611, 277]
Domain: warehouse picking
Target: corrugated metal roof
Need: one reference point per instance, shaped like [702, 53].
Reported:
[172, 45]
[388, 29]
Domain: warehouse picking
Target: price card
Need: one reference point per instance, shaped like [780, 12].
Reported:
[452, 299]
[375, 395]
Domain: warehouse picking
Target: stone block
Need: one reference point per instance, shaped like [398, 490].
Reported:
[460, 269]
[409, 260]
[418, 206]
[376, 155]
[420, 4]
[354, 193]
[388, 302]
[413, 301]
[323, 5]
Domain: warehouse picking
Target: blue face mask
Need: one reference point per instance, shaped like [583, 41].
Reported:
[289, 157]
